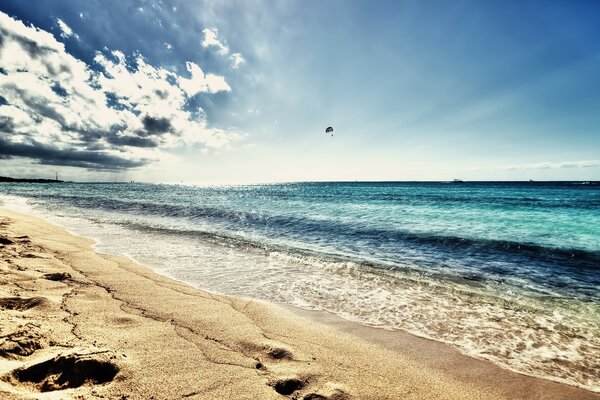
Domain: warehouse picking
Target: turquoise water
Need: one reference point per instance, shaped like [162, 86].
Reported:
[503, 271]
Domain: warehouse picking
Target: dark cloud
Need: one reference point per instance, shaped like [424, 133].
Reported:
[162, 94]
[7, 126]
[134, 141]
[59, 90]
[96, 146]
[156, 126]
[46, 154]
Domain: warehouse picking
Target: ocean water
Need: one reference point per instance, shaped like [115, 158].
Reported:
[508, 272]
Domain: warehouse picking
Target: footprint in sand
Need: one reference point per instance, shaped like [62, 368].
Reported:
[21, 239]
[67, 371]
[288, 386]
[5, 241]
[21, 343]
[295, 385]
[336, 395]
[292, 386]
[57, 276]
[21, 303]
[279, 353]
[273, 353]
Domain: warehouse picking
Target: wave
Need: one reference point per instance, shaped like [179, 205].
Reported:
[345, 234]
[577, 277]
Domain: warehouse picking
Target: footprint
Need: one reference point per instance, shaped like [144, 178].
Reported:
[337, 395]
[20, 343]
[21, 303]
[272, 352]
[5, 241]
[68, 371]
[314, 396]
[31, 255]
[304, 386]
[278, 353]
[288, 386]
[57, 276]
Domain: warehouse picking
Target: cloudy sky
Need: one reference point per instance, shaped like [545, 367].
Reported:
[216, 92]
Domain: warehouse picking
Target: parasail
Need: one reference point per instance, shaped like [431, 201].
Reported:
[329, 130]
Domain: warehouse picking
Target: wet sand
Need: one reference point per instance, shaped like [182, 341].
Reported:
[78, 324]
[444, 358]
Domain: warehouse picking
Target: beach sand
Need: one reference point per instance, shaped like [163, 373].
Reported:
[82, 325]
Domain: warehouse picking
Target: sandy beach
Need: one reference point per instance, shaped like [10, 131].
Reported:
[83, 325]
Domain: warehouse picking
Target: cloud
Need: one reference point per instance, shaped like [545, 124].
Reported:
[211, 39]
[67, 32]
[550, 165]
[119, 112]
[199, 82]
[156, 126]
[236, 60]
[50, 155]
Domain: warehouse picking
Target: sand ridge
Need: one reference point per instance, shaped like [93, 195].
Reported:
[78, 324]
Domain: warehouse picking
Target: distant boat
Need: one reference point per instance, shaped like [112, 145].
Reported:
[457, 181]
[531, 180]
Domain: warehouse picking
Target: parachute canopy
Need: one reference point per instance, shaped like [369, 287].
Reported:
[329, 130]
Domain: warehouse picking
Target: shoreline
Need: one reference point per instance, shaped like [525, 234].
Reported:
[443, 357]
[111, 312]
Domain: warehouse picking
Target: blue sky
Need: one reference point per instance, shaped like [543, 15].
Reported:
[415, 90]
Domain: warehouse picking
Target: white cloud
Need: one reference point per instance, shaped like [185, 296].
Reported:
[61, 111]
[199, 82]
[211, 39]
[549, 165]
[66, 31]
[236, 60]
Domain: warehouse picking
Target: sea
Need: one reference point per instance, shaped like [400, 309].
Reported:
[503, 271]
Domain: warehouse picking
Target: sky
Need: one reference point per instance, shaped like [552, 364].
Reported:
[226, 92]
